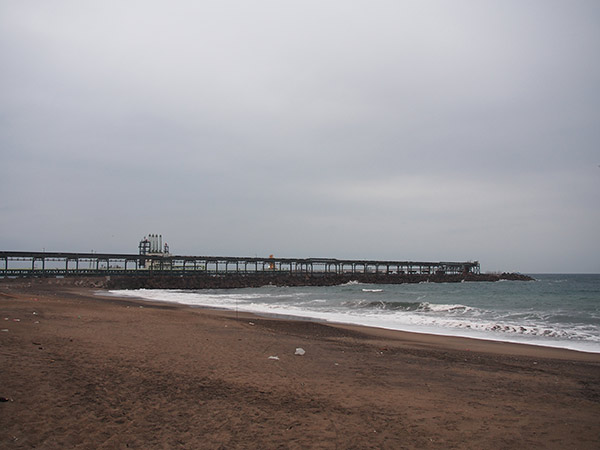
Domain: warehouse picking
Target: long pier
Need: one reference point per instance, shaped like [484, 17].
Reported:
[17, 264]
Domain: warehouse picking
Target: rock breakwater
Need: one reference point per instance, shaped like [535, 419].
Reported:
[240, 280]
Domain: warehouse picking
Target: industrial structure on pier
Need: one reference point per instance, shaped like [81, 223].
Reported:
[152, 246]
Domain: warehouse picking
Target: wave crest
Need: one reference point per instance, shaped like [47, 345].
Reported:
[423, 307]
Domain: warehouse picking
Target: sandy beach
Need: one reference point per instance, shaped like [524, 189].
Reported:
[91, 371]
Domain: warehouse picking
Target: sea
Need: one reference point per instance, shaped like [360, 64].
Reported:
[555, 310]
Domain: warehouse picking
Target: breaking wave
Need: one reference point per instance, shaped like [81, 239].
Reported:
[408, 306]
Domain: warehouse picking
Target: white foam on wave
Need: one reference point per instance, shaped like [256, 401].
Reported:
[435, 307]
[189, 297]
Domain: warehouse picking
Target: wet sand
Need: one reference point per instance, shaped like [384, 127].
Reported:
[88, 371]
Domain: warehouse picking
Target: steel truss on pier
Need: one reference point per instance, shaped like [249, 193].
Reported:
[57, 264]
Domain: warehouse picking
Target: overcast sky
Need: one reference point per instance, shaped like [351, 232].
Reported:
[420, 130]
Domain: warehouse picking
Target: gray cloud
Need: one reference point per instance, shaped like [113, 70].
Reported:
[405, 130]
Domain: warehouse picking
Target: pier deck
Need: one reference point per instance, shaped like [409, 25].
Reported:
[62, 264]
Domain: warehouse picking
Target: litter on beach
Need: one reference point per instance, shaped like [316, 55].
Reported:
[299, 351]
[276, 358]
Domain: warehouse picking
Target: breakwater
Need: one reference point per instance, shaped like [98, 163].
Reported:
[232, 281]
[241, 281]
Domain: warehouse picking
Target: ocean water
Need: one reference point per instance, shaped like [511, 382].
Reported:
[554, 310]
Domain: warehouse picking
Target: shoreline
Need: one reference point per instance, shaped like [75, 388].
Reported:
[583, 347]
[235, 280]
[442, 340]
[105, 372]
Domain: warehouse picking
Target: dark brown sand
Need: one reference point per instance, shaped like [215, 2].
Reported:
[86, 371]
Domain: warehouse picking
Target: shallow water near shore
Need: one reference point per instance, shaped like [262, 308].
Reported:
[555, 310]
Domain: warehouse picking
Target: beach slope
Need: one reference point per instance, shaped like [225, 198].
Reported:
[90, 371]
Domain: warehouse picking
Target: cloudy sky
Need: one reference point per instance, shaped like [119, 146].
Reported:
[423, 130]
